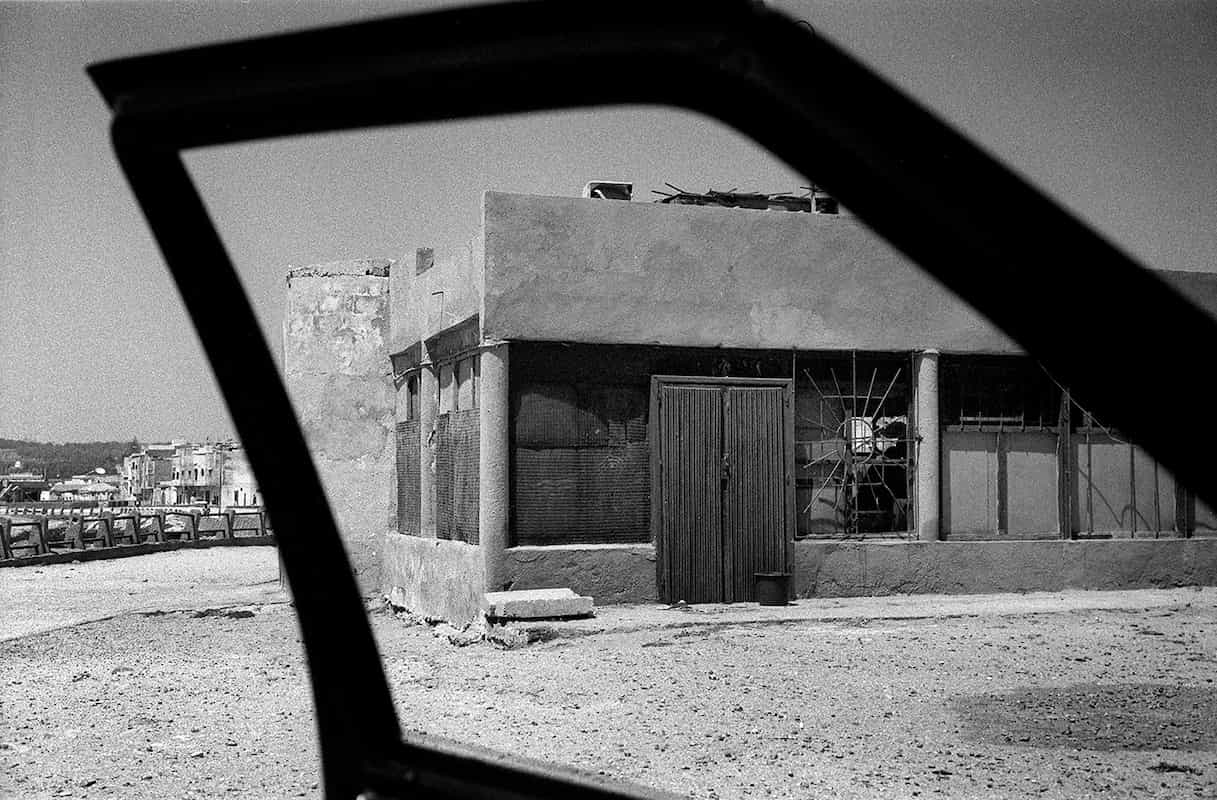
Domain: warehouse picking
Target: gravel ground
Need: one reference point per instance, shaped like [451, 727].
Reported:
[1059, 696]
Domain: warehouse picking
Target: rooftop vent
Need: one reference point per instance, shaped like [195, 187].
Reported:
[609, 190]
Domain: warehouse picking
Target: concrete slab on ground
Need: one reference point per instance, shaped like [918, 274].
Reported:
[530, 604]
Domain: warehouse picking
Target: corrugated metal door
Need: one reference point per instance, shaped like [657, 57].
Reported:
[723, 506]
[690, 447]
[754, 487]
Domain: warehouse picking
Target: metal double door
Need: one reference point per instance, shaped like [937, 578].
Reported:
[722, 502]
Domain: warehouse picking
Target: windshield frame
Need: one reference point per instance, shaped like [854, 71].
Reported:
[901, 170]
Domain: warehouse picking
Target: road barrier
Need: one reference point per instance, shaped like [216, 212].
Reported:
[26, 532]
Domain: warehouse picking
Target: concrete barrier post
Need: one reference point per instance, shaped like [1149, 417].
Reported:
[44, 535]
[428, 408]
[493, 404]
[105, 522]
[929, 462]
[230, 524]
[6, 544]
[192, 529]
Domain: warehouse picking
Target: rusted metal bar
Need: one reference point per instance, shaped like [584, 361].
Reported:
[824, 457]
[822, 487]
[1132, 485]
[1089, 478]
[1066, 467]
[1157, 504]
[883, 399]
[866, 405]
[821, 394]
[1003, 485]
[840, 395]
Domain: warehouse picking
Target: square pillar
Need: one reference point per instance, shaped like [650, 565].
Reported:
[929, 460]
[428, 411]
[493, 458]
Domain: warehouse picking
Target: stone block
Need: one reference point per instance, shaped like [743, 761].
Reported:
[537, 604]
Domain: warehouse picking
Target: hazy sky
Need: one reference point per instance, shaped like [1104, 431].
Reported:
[1109, 106]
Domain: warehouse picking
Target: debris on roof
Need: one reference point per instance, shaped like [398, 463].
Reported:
[815, 200]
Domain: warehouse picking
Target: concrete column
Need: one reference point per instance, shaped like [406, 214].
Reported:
[428, 405]
[929, 461]
[493, 405]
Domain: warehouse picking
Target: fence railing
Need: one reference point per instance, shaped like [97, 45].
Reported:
[25, 528]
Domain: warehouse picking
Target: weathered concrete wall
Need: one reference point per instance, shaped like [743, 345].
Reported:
[626, 573]
[570, 269]
[597, 271]
[416, 310]
[608, 573]
[434, 578]
[336, 366]
[848, 569]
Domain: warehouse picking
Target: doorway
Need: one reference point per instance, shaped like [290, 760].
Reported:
[723, 491]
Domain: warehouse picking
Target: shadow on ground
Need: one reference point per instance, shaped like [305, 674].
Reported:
[1088, 716]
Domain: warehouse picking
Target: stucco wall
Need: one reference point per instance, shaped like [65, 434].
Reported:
[336, 366]
[626, 573]
[416, 311]
[846, 569]
[602, 271]
[608, 573]
[433, 578]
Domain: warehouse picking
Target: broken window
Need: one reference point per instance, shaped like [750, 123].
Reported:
[1000, 449]
[852, 444]
[988, 393]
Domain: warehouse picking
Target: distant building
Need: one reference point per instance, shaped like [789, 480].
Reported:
[145, 471]
[238, 487]
[8, 457]
[213, 473]
[80, 488]
[22, 487]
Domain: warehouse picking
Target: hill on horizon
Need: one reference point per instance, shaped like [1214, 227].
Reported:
[63, 459]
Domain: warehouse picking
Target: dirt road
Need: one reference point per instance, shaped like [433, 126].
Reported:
[1060, 696]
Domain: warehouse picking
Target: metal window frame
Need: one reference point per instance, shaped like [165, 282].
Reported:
[893, 164]
[802, 358]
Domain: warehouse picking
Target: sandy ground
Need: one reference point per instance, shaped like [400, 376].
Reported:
[1060, 696]
[34, 599]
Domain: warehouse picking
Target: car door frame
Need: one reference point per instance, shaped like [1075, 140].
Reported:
[999, 243]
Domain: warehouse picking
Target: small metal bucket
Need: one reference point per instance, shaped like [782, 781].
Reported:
[772, 588]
